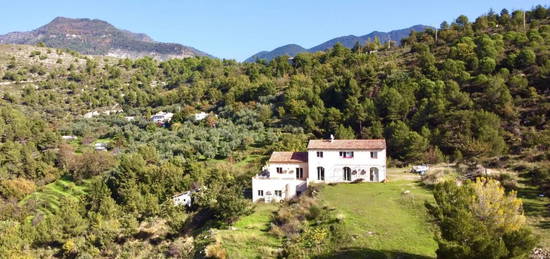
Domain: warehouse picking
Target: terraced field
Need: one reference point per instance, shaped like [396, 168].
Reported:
[49, 196]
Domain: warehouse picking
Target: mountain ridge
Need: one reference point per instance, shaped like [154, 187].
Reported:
[348, 41]
[98, 37]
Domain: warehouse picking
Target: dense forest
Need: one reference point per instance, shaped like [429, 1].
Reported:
[469, 92]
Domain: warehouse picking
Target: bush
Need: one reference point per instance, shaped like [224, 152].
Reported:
[314, 212]
[231, 205]
[181, 248]
[215, 250]
[433, 177]
[479, 220]
[16, 188]
[309, 229]
[90, 164]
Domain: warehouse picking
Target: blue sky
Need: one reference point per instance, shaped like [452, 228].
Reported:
[237, 29]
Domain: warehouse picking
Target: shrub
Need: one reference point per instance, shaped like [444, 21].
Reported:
[34, 53]
[181, 248]
[215, 251]
[432, 177]
[314, 212]
[231, 205]
[479, 220]
[309, 229]
[16, 188]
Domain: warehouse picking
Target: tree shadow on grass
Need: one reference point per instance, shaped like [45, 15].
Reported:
[530, 196]
[545, 224]
[357, 252]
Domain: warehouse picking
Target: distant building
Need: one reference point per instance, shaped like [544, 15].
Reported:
[68, 137]
[162, 117]
[182, 199]
[130, 118]
[287, 174]
[115, 109]
[91, 114]
[200, 116]
[100, 146]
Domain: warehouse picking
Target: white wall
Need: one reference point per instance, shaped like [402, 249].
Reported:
[334, 164]
[290, 168]
[331, 161]
[288, 188]
[183, 199]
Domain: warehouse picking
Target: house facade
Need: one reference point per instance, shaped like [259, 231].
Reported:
[287, 174]
[162, 117]
[200, 116]
[182, 199]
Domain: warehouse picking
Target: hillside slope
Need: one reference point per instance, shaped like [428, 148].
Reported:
[289, 50]
[348, 41]
[97, 37]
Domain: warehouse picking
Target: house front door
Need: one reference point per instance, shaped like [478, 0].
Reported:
[374, 174]
[347, 174]
[268, 197]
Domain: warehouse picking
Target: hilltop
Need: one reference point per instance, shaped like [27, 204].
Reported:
[348, 41]
[97, 37]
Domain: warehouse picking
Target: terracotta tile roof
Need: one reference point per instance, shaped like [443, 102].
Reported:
[288, 157]
[343, 144]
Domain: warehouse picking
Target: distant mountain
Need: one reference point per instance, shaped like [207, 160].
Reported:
[290, 50]
[347, 41]
[97, 37]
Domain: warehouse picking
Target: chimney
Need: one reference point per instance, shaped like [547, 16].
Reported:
[331, 138]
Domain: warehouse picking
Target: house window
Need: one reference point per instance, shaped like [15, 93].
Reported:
[279, 193]
[374, 154]
[279, 170]
[260, 192]
[299, 173]
[348, 154]
[320, 173]
[347, 174]
[320, 154]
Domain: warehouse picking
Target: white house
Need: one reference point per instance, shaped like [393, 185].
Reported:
[69, 137]
[91, 114]
[115, 109]
[326, 161]
[182, 199]
[100, 146]
[162, 117]
[200, 116]
[283, 177]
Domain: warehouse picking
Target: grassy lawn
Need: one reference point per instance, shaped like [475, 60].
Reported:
[250, 237]
[536, 210]
[51, 194]
[102, 140]
[385, 221]
[250, 162]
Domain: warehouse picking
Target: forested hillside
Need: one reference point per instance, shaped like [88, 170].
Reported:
[472, 91]
[348, 41]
